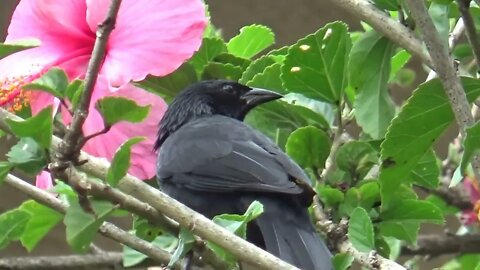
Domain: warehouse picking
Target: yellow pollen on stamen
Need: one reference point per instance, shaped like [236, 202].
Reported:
[12, 96]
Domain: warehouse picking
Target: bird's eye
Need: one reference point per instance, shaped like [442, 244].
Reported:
[228, 88]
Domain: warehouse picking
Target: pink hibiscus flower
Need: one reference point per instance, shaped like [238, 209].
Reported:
[150, 37]
[470, 217]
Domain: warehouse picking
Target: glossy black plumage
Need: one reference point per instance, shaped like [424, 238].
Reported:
[214, 163]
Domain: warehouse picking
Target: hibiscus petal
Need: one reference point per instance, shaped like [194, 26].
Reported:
[44, 180]
[60, 25]
[150, 37]
[26, 62]
[142, 158]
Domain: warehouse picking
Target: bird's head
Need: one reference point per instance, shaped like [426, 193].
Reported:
[213, 97]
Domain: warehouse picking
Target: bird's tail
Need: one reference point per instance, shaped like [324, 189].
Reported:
[289, 234]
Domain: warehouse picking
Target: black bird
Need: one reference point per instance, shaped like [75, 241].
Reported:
[214, 163]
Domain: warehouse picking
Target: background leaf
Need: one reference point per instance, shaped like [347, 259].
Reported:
[170, 85]
[55, 82]
[471, 145]
[424, 117]
[251, 40]
[316, 66]
[121, 161]
[12, 225]
[360, 230]
[369, 70]
[42, 220]
[210, 48]
[412, 211]
[18, 45]
[81, 227]
[309, 147]
[27, 156]
[38, 127]
[116, 109]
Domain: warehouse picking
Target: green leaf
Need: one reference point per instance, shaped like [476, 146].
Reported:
[132, 257]
[426, 115]
[439, 14]
[42, 220]
[446, 208]
[210, 48]
[74, 91]
[121, 161]
[256, 67]
[55, 82]
[116, 109]
[406, 231]
[412, 211]
[342, 261]
[227, 58]
[144, 229]
[427, 173]
[17, 46]
[457, 177]
[216, 70]
[268, 79]
[5, 168]
[309, 147]
[81, 227]
[251, 40]
[398, 61]
[12, 225]
[287, 117]
[38, 127]
[471, 146]
[356, 158]
[27, 156]
[316, 66]
[170, 85]
[360, 230]
[388, 4]
[236, 224]
[331, 197]
[369, 69]
[185, 244]
[326, 110]
[369, 194]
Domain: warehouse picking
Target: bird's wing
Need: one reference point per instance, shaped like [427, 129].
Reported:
[220, 154]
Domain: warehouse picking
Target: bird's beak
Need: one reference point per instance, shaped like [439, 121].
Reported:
[258, 96]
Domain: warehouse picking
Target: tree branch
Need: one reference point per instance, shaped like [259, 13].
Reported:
[390, 28]
[436, 245]
[107, 229]
[446, 71]
[108, 260]
[186, 217]
[463, 6]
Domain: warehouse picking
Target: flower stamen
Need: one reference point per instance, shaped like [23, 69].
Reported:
[12, 96]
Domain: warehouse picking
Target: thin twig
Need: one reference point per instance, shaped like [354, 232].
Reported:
[463, 6]
[436, 245]
[107, 229]
[336, 233]
[108, 260]
[390, 28]
[69, 148]
[85, 139]
[456, 34]
[444, 66]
